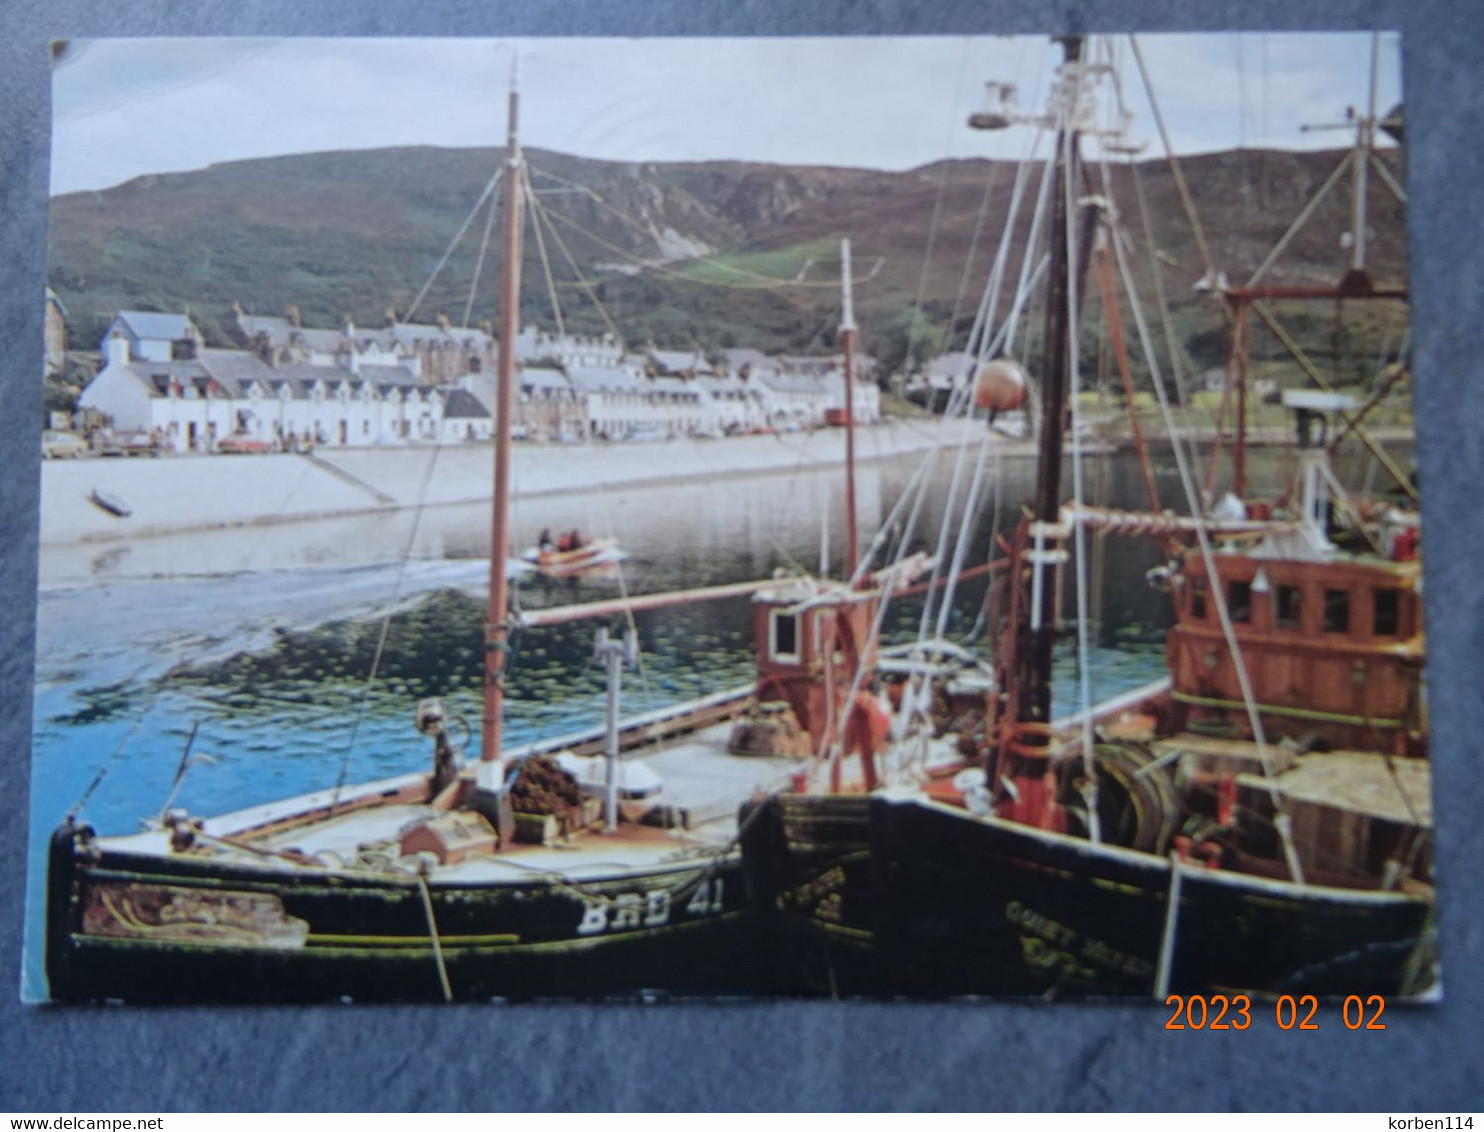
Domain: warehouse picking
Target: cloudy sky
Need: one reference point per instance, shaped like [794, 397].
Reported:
[122, 108]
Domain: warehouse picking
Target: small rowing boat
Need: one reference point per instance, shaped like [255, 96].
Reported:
[110, 503]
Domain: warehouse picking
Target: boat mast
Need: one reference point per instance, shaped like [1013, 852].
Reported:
[1034, 659]
[847, 339]
[497, 627]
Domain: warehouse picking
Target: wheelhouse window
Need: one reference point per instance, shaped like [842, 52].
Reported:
[1239, 602]
[784, 636]
[1198, 598]
[1336, 611]
[1287, 606]
[1386, 613]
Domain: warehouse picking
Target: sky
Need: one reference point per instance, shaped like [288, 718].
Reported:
[123, 108]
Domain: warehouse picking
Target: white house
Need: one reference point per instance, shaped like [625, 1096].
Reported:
[464, 418]
[568, 350]
[676, 406]
[731, 404]
[676, 363]
[866, 397]
[804, 399]
[617, 400]
[192, 404]
[155, 336]
[439, 353]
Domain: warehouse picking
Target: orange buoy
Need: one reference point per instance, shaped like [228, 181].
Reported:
[1000, 386]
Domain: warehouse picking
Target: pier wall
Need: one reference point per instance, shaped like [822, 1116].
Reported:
[184, 493]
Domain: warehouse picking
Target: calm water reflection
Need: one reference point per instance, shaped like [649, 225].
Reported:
[264, 637]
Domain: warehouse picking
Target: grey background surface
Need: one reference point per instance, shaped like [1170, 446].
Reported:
[782, 1055]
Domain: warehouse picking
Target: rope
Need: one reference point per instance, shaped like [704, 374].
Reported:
[422, 887]
[927, 255]
[1084, 650]
[386, 624]
[556, 305]
[960, 550]
[1175, 170]
[915, 491]
[546, 214]
[1174, 349]
[837, 740]
[1167, 937]
[943, 529]
[484, 246]
[984, 320]
[453, 243]
[1284, 822]
[963, 281]
[1027, 282]
[657, 269]
[124, 742]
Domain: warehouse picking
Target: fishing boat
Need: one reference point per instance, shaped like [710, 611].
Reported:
[1256, 823]
[511, 878]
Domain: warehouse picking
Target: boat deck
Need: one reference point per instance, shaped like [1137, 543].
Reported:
[704, 786]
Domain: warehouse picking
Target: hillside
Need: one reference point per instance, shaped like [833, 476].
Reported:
[682, 254]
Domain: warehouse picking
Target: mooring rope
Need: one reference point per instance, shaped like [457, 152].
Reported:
[422, 887]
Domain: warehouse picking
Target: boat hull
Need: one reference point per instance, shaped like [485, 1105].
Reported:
[594, 553]
[901, 896]
[154, 929]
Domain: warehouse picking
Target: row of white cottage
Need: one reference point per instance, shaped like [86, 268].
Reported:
[414, 383]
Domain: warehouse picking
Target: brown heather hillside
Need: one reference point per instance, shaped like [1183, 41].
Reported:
[682, 254]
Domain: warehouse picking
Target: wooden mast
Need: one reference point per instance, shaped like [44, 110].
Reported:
[497, 627]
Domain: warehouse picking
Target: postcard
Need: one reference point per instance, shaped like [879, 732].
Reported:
[633, 519]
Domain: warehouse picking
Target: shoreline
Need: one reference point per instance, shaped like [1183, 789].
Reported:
[204, 493]
[183, 494]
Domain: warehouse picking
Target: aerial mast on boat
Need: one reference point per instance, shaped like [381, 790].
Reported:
[497, 627]
[847, 344]
[1033, 678]
[1024, 713]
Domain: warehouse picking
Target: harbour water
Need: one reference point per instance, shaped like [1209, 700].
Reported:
[264, 639]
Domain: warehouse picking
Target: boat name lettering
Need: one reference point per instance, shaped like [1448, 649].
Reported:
[1039, 954]
[629, 910]
[1071, 944]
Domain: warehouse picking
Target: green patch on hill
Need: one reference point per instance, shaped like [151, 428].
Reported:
[762, 268]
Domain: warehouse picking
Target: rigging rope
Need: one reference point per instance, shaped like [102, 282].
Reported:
[484, 245]
[658, 269]
[989, 304]
[927, 255]
[124, 742]
[1175, 350]
[1284, 821]
[386, 625]
[540, 210]
[963, 282]
[1074, 366]
[1175, 170]
[965, 530]
[1032, 243]
[556, 305]
[453, 243]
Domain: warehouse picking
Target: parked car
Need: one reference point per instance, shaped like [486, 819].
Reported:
[62, 445]
[128, 444]
[243, 445]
